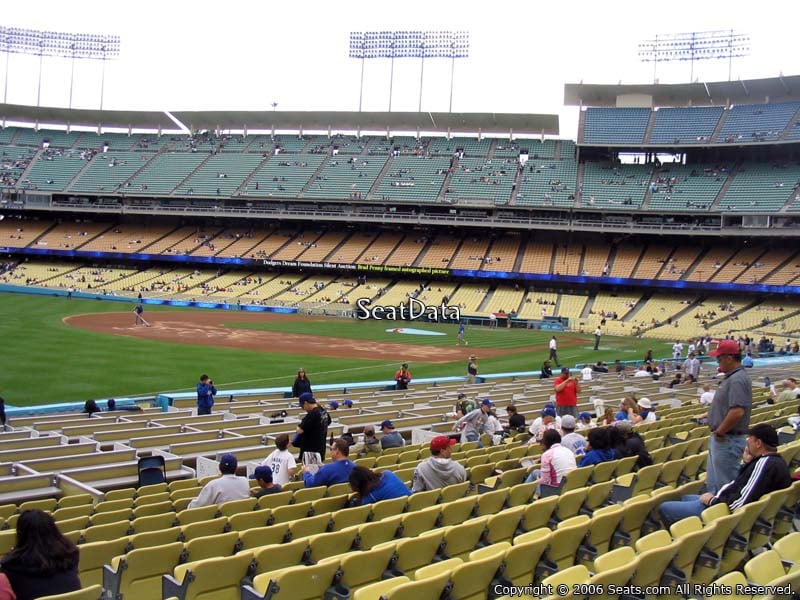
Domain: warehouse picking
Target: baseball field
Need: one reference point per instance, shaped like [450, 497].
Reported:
[56, 349]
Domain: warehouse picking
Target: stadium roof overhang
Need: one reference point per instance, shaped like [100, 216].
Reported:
[371, 121]
[488, 123]
[717, 93]
[122, 119]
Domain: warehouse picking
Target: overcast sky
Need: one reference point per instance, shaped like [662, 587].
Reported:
[244, 55]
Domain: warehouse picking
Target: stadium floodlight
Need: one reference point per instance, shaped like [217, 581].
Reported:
[695, 45]
[14, 40]
[408, 44]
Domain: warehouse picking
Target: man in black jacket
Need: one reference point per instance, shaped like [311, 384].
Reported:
[310, 435]
[765, 473]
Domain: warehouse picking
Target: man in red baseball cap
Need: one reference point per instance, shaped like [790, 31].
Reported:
[728, 416]
[439, 470]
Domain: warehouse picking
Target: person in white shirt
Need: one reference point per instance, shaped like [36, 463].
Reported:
[597, 333]
[691, 368]
[556, 461]
[642, 371]
[493, 425]
[281, 461]
[548, 420]
[223, 489]
[646, 412]
[707, 396]
[677, 349]
[553, 345]
[586, 373]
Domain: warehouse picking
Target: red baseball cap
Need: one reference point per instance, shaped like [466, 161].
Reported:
[726, 347]
[440, 442]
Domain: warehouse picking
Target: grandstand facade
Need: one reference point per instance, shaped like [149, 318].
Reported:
[672, 197]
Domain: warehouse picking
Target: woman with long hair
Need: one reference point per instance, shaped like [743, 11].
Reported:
[43, 562]
[301, 384]
[629, 410]
[371, 486]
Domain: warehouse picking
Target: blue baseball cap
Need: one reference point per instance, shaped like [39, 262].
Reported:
[486, 402]
[585, 415]
[307, 397]
[348, 402]
[387, 424]
[228, 461]
[548, 411]
[262, 472]
[333, 404]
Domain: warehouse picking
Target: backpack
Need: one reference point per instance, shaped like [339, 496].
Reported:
[466, 406]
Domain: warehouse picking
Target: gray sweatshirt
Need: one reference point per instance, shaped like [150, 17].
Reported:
[435, 473]
[472, 422]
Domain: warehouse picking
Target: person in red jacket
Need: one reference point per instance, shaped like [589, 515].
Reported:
[402, 377]
[567, 389]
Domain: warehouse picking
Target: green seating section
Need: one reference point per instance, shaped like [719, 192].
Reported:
[54, 171]
[7, 134]
[685, 125]
[344, 144]
[107, 172]
[234, 143]
[693, 187]
[759, 187]
[165, 171]
[288, 143]
[757, 122]
[414, 178]
[483, 179]
[547, 183]
[116, 141]
[56, 138]
[472, 147]
[621, 186]
[222, 174]
[284, 175]
[615, 125]
[13, 162]
[403, 143]
[346, 177]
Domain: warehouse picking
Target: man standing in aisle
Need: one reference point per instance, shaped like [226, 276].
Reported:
[205, 395]
[472, 369]
[567, 389]
[728, 417]
[554, 351]
[597, 333]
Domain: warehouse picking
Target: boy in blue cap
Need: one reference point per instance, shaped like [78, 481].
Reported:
[263, 475]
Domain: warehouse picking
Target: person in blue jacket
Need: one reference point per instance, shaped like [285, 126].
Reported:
[374, 487]
[334, 472]
[205, 395]
[599, 448]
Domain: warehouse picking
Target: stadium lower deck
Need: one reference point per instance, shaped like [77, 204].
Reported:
[302, 543]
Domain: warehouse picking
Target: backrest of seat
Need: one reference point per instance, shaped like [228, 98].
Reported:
[215, 578]
[279, 556]
[144, 567]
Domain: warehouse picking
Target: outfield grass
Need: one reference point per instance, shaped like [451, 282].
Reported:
[44, 360]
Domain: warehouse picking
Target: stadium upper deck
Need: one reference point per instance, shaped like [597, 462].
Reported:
[738, 170]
